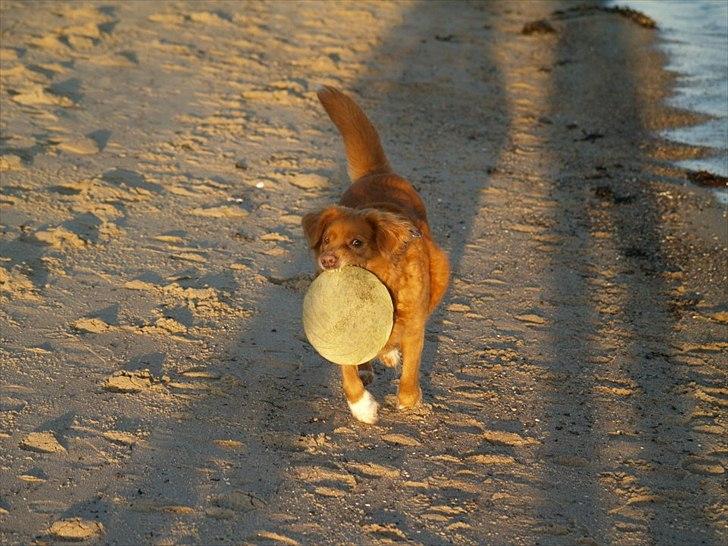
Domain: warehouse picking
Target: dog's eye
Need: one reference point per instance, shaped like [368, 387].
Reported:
[356, 243]
[326, 240]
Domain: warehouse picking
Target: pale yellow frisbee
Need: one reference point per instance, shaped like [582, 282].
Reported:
[348, 315]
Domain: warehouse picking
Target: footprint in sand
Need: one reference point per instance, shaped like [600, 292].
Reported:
[499, 437]
[201, 301]
[491, 459]
[174, 239]
[14, 284]
[297, 283]
[10, 162]
[163, 326]
[401, 439]
[79, 145]
[60, 238]
[227, 443]
[331, 492]
[703, 466]
[309, 181]
[34, 476]
[75, 529]
[92, 325]
[37, 95]
[210, 18]
[458, 308]
[138, 284]
[621, 392]
[328, 482]
[235, 502]
[131, 181]
[132, 382]
[717, 396]
[8, 403]
[531, 318]
[121, 438]
[443, 513]
[75, 12]
[224, 211]
[42, 442]
[386, 532]
[51, 42]
[374, 470]
[276, 538]
[189, 257]
[200, 382]
[162, 506]
[167, 19]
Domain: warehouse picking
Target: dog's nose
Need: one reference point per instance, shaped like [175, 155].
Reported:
[328, 261]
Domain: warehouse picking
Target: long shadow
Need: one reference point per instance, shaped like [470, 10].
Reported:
[433, 121]
[282, 403]
[668, 441]
[597, 191]
[463, 115]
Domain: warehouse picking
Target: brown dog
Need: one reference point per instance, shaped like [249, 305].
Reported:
[380, 224]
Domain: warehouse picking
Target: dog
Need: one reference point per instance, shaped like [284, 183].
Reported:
[380, 224]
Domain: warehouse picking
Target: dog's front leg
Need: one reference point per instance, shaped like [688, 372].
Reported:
[361, 402]
[390, 355]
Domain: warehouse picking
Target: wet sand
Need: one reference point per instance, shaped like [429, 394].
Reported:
[155, 383]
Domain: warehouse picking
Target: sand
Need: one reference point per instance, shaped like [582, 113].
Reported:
[155, 383]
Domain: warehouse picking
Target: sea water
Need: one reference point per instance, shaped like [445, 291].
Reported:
[695, 36]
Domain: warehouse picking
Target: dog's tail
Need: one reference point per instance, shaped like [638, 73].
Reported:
[364, 152]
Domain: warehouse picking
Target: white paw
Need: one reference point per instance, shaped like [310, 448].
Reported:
[391, 358]
[365, 409]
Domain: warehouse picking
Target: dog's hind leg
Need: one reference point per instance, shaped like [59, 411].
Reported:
[366, 373]
[413, 341]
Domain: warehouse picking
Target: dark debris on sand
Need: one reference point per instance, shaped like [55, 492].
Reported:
[708, 179]
[542, 26]
[632, 14]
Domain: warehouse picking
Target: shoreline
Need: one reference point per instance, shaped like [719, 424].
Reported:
[706, 167]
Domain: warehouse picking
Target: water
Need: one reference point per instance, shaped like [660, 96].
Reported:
[695, 36]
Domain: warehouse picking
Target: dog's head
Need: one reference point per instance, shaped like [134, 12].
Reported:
[341, 236]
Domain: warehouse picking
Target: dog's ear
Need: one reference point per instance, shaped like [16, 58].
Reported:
[391, 232]
[314, 224]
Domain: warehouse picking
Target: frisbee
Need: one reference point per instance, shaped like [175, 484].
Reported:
[348, 315]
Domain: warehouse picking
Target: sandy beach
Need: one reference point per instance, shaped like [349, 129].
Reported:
[156, 386]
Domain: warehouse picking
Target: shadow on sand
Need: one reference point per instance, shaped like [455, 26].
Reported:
[284, 403]
[615, 410]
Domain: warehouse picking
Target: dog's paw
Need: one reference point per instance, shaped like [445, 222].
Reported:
[421, 410]
[406, 400]
[391, 358]
[365, 409]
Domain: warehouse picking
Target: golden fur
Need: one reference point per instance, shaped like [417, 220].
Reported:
[380, 224]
